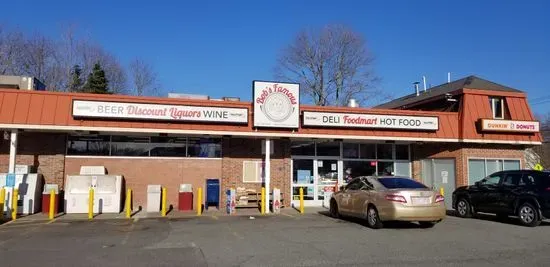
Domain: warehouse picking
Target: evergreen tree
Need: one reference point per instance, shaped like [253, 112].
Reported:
[97, 83]
[76, 80]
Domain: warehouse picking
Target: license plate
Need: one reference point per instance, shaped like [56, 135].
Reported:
[420, 200]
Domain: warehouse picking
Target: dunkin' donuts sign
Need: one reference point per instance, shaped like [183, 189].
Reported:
[276, 104]
[331, 119]
[510, 126]
[121, 110]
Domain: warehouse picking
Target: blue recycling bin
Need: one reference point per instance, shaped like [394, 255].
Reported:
[212, 193]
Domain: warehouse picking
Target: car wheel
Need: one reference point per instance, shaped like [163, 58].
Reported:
[427, 224]
[528, 215]
[373, 220]
[334, 213]
[463, 208]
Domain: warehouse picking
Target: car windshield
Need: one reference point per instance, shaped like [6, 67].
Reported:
[392, 183]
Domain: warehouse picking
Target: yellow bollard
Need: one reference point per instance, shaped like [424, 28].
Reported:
[52, 205]
[129, 203]
[14, 199]
[442, 191]
[91, 204]
[199, 201]
[2, 202]
[301, 200]
[163, 209]
[262, 208]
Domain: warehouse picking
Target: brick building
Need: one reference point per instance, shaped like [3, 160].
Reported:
[447, 136]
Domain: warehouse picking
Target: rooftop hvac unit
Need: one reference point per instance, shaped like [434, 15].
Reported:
[188, 96]
[231, 98]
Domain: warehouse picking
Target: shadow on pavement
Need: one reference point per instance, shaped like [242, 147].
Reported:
[494, 218]
[387, 225]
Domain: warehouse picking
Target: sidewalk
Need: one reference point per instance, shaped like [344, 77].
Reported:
[136, 215]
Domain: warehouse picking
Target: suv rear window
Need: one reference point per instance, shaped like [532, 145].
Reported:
[392, 183]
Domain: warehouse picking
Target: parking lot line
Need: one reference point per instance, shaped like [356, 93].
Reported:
[214, 217]
[288, 215]
[51, 221]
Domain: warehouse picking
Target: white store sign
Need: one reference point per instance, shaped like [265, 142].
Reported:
[331, 119]
[276, 104]
[510, 126]
[98, 109]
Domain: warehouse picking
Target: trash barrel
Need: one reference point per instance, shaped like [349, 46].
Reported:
[46, 198]
[185, 197]
[153, 197]
[212, 193]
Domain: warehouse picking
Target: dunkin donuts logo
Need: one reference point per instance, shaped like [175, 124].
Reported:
[277, 102]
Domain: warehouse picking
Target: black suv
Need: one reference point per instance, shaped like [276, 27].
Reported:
[523, 193]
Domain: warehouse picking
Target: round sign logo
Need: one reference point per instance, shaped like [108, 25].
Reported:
[277, 107]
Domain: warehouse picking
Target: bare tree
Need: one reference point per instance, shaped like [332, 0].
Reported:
[89, 54]
[144, 79]
[12, 45]
[52, 60]
[332, 65]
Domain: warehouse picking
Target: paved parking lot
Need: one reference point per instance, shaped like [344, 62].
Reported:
[289, 240]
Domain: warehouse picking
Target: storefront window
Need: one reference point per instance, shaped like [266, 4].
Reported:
[144, 146]
[302, 171]
[511, 165]
[368, 151]
[88, 145]
[328, 148]
[168, 146]
[351, 150]
[402, 152]
[300, 148]
[204, 147]
[384, 151]
[327, 171]
[481, 168]
[354, 169]
[385, 168]
[402, 169]
[309, 192]
[493, 166]
[130, 146]
[476, 170]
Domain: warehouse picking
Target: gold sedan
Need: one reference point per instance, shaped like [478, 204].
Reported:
[379, 199]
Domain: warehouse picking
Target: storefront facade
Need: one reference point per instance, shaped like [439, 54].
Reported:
[273, 142]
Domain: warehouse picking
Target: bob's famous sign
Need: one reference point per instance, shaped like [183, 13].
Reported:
[276, 104]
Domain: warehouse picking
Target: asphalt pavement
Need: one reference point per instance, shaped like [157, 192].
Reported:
[284, 240]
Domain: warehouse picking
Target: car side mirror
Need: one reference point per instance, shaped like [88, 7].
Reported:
[478, 183]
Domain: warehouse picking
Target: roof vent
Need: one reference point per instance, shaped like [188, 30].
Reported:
[416, 88]
[231, 98]
[188, 96]
[352, 103]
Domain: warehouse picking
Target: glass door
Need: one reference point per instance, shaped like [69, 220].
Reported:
[327, 178]
[317, 177]
[303, 175]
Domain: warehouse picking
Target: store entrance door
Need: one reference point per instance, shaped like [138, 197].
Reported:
[317, 177]
[440, 174]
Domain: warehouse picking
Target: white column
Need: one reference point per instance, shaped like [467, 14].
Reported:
[267, 174]
[13, 151]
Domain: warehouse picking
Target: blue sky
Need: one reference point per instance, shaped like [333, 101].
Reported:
[219, 47]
